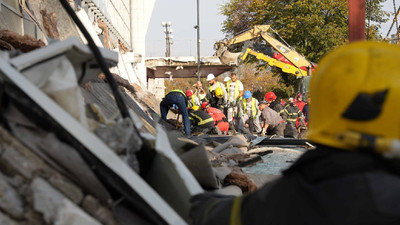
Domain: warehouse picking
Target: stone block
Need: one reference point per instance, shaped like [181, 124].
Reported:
[55, 207]
[10, 201]
[5, 220]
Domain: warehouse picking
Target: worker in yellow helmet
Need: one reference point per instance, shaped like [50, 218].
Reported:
[216, 99]
[353, 175]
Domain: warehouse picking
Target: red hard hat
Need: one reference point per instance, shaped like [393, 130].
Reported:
[270, 96]
[299, 95]
[189, 93]
[204, 105]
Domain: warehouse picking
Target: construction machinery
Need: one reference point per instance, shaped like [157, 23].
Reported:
[282, 56]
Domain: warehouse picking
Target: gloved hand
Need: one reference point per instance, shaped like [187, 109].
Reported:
[263, 131]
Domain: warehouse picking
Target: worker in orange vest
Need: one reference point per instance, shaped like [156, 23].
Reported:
[220, 121]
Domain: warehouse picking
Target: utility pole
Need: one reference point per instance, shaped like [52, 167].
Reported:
[198, 41]
[168, 37]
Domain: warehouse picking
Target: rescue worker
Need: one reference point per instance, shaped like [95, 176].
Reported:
[299, 101]
[306, 110]
[234, 89]
[199, 93]
[176, 97]
[215, 98]
[271, 98]
[213, 84]
[292, 113]
[191, 97]
[353, 175]
[250, 114]
[200, 120]
[220, 123]
[271, 122]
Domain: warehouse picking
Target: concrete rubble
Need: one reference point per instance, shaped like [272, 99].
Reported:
[68, 157]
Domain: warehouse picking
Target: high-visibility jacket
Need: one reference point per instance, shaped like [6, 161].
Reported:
[236, 88]
[192, 101]
[219, 118]
[254, 108]
[210, 86]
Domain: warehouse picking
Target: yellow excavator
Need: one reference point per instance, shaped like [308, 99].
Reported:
[284, 56]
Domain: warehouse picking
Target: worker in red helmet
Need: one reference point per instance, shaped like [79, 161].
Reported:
[271, 98]
[191, 98]
[299, 101]
[220, 122]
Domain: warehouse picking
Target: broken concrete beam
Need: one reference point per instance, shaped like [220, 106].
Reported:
[25, 43]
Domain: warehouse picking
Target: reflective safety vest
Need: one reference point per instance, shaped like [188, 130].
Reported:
[193, 100]
[254, 108]
[210, 86]
[236, 88]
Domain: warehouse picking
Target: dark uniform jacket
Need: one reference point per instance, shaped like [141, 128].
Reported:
[324, 186]
[201, 119]
[275, 105]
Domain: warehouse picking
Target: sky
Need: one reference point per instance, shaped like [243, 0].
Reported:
[183, 17]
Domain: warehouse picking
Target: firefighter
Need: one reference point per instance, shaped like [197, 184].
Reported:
[271, 122]
[292, 114]
[200, 120]
[176, 97]
[215, 98]
[299, 101]
[191, 97]
[353, 175]
[234, 89]
[213, 85]
[250, 114]
[271, 98]
[220, 123]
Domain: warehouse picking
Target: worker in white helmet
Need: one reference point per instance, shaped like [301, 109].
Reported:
[213, 84]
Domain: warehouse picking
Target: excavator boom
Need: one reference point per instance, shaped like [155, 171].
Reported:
[260, 31]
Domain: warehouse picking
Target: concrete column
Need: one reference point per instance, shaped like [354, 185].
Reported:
[141, 11]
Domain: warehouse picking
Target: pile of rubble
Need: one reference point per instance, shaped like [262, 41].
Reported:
[67, 156]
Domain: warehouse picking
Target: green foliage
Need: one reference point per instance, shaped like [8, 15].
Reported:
[260, 81]
[184, 84]
[312, 27]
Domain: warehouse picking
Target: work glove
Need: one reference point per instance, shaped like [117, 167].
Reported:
[263, 132]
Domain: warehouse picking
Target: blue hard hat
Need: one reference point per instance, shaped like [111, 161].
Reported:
[247, 94]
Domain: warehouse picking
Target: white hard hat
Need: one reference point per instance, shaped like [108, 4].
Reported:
[210, 77]
[226, 79]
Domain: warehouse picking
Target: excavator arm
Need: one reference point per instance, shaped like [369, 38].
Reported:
[297, 61]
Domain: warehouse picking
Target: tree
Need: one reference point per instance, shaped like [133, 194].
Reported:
[312, 27]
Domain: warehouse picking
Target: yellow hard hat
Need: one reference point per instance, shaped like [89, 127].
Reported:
[356, 90]
[219, 93]
[196, 107]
